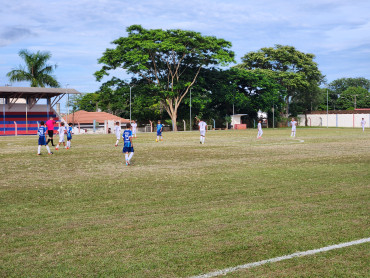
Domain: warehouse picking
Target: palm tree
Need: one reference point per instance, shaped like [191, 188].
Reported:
[36, 70]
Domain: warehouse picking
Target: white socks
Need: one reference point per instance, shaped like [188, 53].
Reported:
[116, 142]
[68, 144]
[39, 149]
[130, 156]
[202, 139]
[293, 134]
[126, 156]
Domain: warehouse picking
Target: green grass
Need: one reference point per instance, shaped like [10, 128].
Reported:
[183, 208]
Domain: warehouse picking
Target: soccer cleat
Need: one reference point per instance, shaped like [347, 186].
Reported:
[156, 140]
[115, 145]
[67, 148]
[39, 154]
[56, 149]
[126, 162]
[50, 153]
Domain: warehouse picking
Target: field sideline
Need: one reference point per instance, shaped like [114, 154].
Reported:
[184, 209]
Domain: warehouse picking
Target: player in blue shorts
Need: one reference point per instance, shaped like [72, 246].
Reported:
[128, 147]
[159, 131]
[69, 135]
[41, 132]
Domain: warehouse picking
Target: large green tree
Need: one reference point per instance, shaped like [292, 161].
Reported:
[354, 97]
[169, 61]
[294, 70]
[36, 70]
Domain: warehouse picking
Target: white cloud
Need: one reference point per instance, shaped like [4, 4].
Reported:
[77, 32]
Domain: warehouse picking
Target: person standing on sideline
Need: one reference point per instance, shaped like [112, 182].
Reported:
[50, 125]
[62, 131]
[133, 128]
[41, 132]
[294, 127]
[202, 129]
[260, 132]
[363, 123]
[117, 131]
[159, 131]
[128, 147]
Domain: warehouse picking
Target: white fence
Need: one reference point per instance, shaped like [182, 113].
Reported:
[334, 120]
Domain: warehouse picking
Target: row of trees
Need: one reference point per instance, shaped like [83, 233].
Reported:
[166, 66]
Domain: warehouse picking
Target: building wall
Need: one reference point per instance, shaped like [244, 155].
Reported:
[335, 120]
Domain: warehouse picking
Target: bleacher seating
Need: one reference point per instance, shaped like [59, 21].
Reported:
[25, 126]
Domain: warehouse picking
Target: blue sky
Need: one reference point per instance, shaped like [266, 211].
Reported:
[77, 32]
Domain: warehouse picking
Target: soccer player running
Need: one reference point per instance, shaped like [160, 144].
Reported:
[294, 127]
[50, 125]
[117, 131]
[41, 132]
[260, 132]
[62, 131]
[159, 131]
[128, 147]
[202, 129]
[133, 127]
[69, 135]
[363, 123]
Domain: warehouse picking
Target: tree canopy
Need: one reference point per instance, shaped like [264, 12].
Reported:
[294, 70]
[36, 70]
[168, 61]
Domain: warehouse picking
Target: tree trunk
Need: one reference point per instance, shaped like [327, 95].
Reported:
[173, 119]
[305, 117]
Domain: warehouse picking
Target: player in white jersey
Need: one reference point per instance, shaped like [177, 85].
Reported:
[117, 131]
[363, 123]
[260, 132]
[202, 129]
[293, 123]
[133, 128]
[62, 131]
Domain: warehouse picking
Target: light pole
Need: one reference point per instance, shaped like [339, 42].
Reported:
[355, 101]
[67, 102]
[273, 116]
[327, 108]
[190, 111]
[130, 103]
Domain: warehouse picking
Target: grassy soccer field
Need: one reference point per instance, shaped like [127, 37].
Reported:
[185, 209]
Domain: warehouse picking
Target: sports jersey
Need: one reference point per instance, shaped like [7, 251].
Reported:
[259, 126]
[202, 126]
[293, 123]
[41, 133]
[363, 123]
[134, 125]
[69, 132]
[159, 129]
[62, 130]
[50, 124]
[126, 137]
[117, 131]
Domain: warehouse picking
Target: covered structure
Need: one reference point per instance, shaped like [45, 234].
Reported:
[99, 122]
[20, 111]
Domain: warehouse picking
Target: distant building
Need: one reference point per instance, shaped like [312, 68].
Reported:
[90, 122]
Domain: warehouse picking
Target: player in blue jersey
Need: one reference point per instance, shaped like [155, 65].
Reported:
[41, 132]
[128, 147]
[69, 135]
[159, 131]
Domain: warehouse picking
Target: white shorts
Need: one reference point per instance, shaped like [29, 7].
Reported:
[118, 136]
[134, 131]
[202, 133]
[61, 139]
